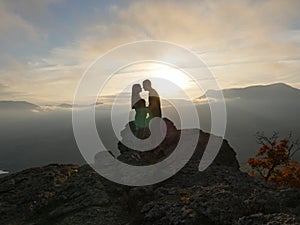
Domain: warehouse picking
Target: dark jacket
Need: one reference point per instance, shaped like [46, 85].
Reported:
[154, 103]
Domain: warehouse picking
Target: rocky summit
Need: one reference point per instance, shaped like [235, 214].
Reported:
[77, 195]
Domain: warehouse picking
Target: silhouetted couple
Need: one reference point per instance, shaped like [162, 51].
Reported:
[144, 114]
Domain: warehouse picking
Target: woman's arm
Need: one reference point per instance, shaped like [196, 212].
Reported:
[149, 117]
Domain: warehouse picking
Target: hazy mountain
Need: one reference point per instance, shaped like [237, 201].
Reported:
[65, 105]
[266, 108]
[17, 105]
[278, 91]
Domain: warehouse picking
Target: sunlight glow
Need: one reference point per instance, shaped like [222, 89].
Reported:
[168, 81]
[174, 75]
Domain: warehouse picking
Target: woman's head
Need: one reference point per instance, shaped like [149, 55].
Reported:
[135, 95]
[136, 88]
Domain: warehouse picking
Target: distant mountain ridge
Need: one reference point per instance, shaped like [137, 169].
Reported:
[17, 105]
[275, 91]
[262, 108]
[27, 106]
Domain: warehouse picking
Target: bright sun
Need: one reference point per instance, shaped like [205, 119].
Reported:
[170, 82]
[175, 79]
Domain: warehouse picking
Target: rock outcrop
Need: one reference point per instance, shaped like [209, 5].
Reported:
[222, 194]
[225, 157]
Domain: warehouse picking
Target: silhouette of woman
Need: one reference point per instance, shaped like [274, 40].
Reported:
[142, 114]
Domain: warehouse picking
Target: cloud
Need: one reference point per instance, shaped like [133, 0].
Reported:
[243, 42]
[31, 8]
[68, 107]
[240, 38]
[228, 31]
[22, 23]
[8, 93]
[13, 27]
[4, 90]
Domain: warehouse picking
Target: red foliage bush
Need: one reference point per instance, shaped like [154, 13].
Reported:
[273, 161]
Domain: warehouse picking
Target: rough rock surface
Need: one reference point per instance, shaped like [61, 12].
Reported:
[73, 195]
[225, 157]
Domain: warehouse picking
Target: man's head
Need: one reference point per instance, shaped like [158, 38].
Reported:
[147, 85]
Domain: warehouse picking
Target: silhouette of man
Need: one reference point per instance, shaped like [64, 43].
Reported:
[154, 99]
[155, 109]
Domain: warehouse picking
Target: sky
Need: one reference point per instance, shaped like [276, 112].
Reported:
[46, 46]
